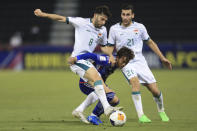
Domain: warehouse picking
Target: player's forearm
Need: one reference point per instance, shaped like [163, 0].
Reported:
[155, 48]
[87, 56]
[99, 59]
[56, 17]
[40, 13]
[109, 50]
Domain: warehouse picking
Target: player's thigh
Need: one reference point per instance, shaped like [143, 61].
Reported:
[143, 72]
[80, 68]
[131, 77]
[92, 75]
[129, 72]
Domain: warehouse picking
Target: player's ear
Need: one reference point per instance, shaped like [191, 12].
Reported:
[133, 15]
[125, 58]
[95, 15]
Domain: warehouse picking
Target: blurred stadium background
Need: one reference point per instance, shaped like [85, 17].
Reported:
[28, 42]
[43, 92]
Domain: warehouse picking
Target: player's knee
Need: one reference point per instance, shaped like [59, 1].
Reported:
[96, 77]
[92, 75]
[156, 93]
[115, 101]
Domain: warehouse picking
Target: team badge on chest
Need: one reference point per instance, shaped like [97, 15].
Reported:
[99, 35]
[136, 31]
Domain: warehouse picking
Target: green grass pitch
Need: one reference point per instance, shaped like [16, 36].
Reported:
[44, 100]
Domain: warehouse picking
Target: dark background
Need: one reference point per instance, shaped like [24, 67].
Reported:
[166, 20]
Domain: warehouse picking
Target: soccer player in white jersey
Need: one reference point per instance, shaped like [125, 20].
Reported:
[131, 35]
[89, 32]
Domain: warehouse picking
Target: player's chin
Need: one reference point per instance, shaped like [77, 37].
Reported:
[125, 22]
[99, 26]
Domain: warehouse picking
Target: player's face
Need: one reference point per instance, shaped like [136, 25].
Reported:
[121, 62]
[100, 20]
[127, 16]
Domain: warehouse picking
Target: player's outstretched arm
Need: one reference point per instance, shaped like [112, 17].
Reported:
[73, 60]
[99, 59]
[157, 51]
[39, 13]
[87, 56]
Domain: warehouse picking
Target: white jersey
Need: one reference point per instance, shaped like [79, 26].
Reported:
[131, 37]
[87, 37]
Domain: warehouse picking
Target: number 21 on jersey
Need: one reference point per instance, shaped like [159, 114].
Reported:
[130, 42]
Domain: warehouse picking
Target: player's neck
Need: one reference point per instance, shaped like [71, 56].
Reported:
[93, 21]
[127, 25]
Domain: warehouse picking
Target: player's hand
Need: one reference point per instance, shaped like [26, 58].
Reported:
[39, 13]
[72, 60]
[167, 63]
[112, 60]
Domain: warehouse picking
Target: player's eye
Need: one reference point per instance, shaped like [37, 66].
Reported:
[103, 19]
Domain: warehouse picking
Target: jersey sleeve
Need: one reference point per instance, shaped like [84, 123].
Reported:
[99, 59]
[75, 21]
[111, 38]
[87, 56]
[144, 34]
[103, 60]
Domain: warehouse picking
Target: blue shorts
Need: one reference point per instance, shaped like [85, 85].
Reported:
[85, 87]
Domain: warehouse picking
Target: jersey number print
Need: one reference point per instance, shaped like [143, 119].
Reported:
[129, 73]
[130, 42]
[91, 41]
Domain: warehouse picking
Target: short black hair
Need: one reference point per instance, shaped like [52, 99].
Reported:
[125, 52]
[103, 9]
[127, 7]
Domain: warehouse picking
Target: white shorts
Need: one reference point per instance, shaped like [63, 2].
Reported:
[81, 67]
[140, 69]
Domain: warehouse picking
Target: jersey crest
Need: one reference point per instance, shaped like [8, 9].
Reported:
[99, 35]
[136, 31]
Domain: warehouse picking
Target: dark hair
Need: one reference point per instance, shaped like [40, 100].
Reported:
[126, 52]
[103, 9]
[127, 7]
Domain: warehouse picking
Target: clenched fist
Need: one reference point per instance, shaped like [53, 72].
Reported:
[39, 13]
[71, 60]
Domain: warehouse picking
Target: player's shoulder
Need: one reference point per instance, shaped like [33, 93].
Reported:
[86, 20]
[81, 19]
[138, 25]
[103, 29]
[115, 26]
